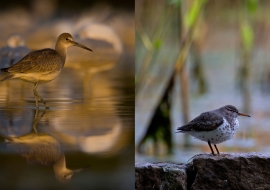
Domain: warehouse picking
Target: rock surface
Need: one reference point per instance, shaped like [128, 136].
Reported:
[163, 176]
[205, 171]
[230, 171]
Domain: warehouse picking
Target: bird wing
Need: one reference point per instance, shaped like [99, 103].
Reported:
[207, 121]
[41, 153]
[45, 60]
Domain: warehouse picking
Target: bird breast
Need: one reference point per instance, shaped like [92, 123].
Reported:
[223, 133]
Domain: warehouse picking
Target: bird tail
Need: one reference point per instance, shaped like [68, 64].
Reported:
[7, 77]
[178, 131]
[6, 137]
[5, 70]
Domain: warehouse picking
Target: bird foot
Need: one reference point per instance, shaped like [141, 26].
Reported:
[224, 154]
[193, 157]
[46, 106]
[220, 154]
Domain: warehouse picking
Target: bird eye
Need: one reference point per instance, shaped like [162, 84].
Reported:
[66, 39]
[230, 110]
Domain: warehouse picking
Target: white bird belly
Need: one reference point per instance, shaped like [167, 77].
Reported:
[223, 133]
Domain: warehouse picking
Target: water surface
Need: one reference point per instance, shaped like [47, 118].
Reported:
[91, 116]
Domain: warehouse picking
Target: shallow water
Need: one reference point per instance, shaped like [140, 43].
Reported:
[91, 116]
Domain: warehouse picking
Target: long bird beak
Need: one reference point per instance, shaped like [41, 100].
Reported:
[81, 46]
[242, 114]
[78, 170]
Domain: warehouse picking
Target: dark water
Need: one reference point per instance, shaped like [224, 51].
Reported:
[91, 116]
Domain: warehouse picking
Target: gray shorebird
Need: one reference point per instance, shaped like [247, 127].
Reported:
[214, 126]
[42, 65]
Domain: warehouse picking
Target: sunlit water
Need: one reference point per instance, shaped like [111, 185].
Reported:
[91, 115]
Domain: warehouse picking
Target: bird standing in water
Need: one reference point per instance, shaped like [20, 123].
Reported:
[42, 65]
[214, 126]
[42, 149]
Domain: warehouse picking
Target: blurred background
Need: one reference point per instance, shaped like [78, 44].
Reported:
[196, 56]
[91, 115]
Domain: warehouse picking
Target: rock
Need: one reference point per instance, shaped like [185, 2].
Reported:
[226, 171]
[229, 171]
[163, 176]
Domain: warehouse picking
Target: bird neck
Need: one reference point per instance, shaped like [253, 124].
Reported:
[230, 118]
[61, 172]
[61, 50]
[60, 164]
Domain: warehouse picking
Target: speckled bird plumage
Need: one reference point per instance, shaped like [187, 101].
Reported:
[37, 149]
[45, 68]
[42, 65]
[42, 149]
[214, 126]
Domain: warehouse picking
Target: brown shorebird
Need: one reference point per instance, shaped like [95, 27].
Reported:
[42, 149]
[42, 65]
[214, 126]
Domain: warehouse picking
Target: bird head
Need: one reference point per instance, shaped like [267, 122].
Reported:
[65, 174]
[234, 111]
[66, 40]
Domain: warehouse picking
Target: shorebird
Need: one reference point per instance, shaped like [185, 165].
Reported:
[214, 126]
[42, 149]
[42, 65]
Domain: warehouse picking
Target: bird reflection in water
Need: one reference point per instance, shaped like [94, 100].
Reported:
[43, 149]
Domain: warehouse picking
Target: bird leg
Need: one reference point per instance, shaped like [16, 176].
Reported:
[36, 120]
[216, 148]
[36, 100]
[37, 95]
[211, 147]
